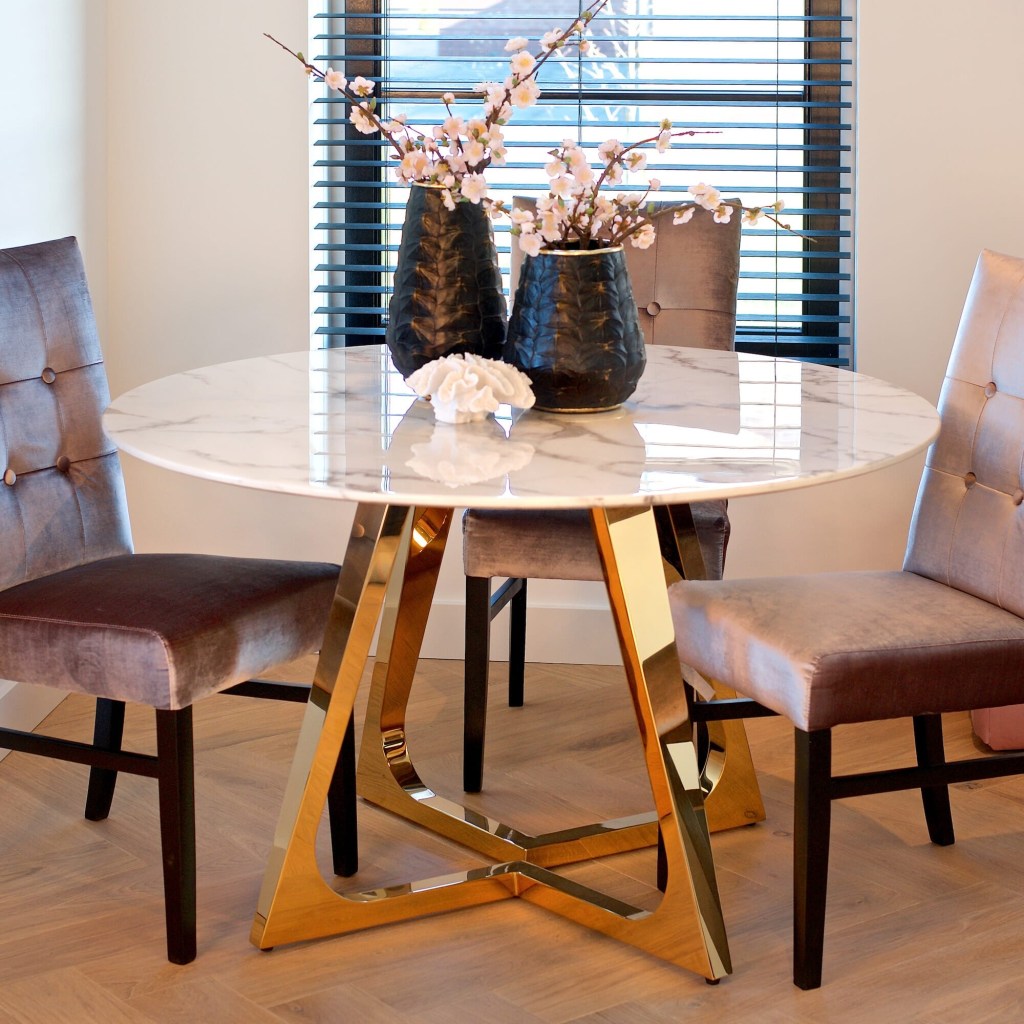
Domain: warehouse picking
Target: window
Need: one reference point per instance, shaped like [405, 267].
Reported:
[766, 82]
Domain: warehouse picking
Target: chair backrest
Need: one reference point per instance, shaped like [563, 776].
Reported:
[684, 285]
[968, 525]
[62, 500]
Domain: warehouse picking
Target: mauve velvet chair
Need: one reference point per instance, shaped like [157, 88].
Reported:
[79, 611]
[944, 634]
[685, 289]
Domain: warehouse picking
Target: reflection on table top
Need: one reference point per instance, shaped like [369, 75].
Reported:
[343, 424]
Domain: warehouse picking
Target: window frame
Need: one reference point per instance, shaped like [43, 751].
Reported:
[360, 276]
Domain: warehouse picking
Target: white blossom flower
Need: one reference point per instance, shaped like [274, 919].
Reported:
[636, 160]
[561, 187]
[609, 149]
[654, 184]
[723, 214]
[531, 244]
[360, 117]
[551, 222]
[664, 142]
[361, 86]
[554, 167]
[683, 216]
[522, 63]
[582, 172]
[520, 216]
[448, 199]
[613, 175]
[414, 165]
[474, 188]
[644, 238]
[753, 216]
[525, 94]
[549, 40]
[335, 79]
[448, 98]
[452, 126]
[517, 43]
[473, 152]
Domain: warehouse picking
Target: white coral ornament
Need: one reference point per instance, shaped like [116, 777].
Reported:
[466, 387]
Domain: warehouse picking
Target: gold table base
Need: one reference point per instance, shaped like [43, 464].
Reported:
[392, 563]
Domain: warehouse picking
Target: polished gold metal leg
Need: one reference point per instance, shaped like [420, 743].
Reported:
[296, 903]
[388, 778]
[388, 548]
[687, 926]
[732, 796]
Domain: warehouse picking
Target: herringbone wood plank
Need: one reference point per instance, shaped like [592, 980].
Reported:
[915, 933]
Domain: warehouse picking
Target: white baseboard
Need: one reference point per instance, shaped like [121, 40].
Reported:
[554, 635]
[23, 706]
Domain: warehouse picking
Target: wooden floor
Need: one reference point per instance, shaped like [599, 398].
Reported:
[915, 933]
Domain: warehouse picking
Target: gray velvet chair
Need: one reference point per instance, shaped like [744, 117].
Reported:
[79, 611]
[685, 289]
[944, 634]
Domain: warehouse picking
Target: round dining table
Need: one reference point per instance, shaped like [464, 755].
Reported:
[342, 424]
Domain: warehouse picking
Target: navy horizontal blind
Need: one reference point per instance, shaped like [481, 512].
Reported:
[767, 83]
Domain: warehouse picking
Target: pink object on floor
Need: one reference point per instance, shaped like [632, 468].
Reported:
[1000, 728]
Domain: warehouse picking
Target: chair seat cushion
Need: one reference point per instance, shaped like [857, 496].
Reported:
[559, 545]
[162, 629]
[833, 648]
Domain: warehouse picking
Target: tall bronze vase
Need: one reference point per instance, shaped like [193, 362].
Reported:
[574, 330]
[448, 295]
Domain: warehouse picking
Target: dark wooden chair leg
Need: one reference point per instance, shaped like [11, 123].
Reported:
[517, 647]
[108, 733]
[812, 820]
[341, 805]
[477, 667]
[661, 879]
[930, 752]
[177, 830]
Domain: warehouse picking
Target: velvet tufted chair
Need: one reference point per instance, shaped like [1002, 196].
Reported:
[685, 290]
[944, 634]
[79, 611]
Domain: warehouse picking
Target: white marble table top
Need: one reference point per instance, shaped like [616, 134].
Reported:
[343, 424]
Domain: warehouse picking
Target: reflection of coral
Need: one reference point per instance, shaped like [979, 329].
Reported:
[466, 387]
[468, 454]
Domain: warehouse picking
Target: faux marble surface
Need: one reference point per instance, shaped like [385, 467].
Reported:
[343, 424]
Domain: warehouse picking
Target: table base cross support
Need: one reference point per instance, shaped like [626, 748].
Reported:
[405, 547]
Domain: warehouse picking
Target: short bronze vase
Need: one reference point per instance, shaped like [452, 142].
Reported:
[447, 294]
[574, 329]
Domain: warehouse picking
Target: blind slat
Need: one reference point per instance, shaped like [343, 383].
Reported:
[772, 87]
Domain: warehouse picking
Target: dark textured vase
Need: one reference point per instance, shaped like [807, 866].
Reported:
[574, 330]
[448, 294]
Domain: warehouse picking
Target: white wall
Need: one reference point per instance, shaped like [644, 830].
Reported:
[208, 229]
[52, 176]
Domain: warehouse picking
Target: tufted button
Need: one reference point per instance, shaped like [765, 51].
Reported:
[990, 389]
[654, 308]
[1018, 497]
[64, 464]
[49, 375]
[9, 477]
[970, 479]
